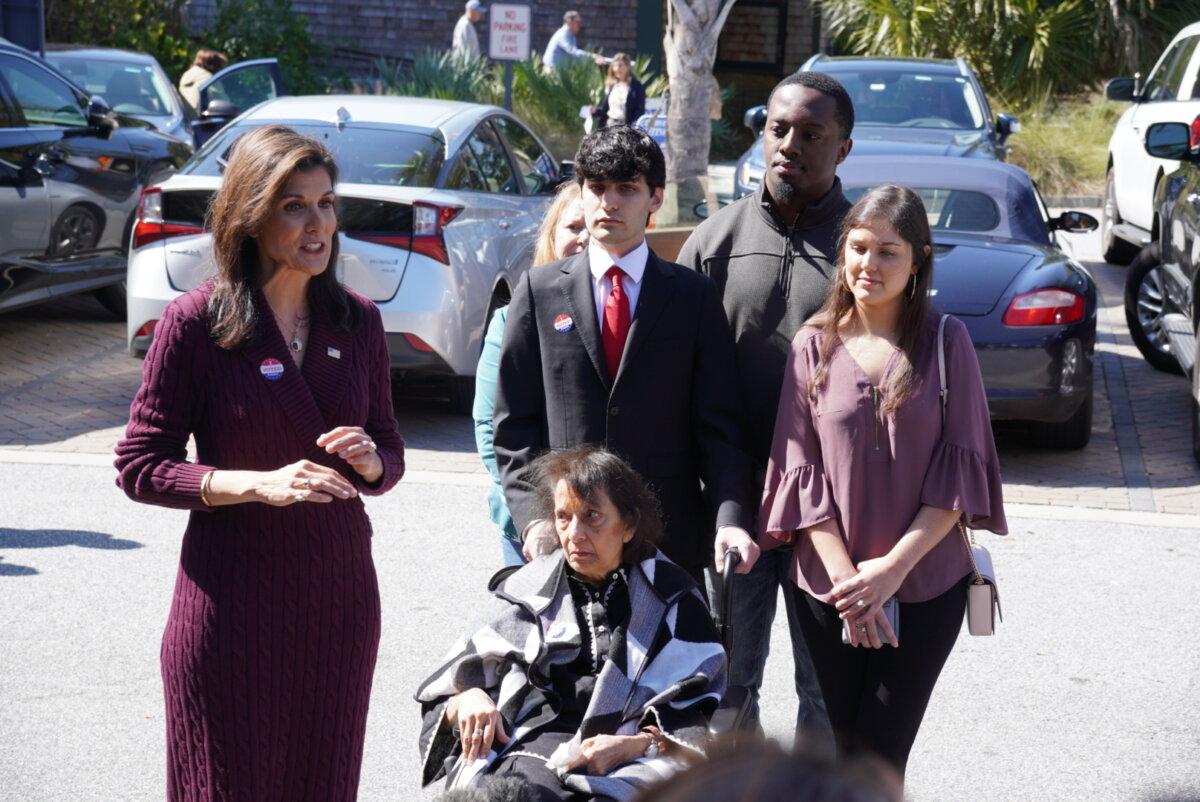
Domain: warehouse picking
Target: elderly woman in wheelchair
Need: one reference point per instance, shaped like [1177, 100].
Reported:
[598, 666]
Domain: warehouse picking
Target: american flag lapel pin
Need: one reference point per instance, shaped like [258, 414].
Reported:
[333, 352]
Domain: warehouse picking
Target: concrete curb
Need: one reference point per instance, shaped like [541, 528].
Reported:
[1073, 201]
[1042, 512]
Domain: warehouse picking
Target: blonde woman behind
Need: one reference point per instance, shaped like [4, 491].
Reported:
[624, 96]
[561, 234]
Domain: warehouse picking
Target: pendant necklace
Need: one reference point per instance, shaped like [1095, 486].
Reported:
[297, 345]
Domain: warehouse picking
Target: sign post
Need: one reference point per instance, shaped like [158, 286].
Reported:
[509, 27]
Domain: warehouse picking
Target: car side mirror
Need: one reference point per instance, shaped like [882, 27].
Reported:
[1007, 125]
[1074, 223]
[219, 109]
[1169, 141]
[756, 120]
[566, 171]
[1121, 90]
[100, 114]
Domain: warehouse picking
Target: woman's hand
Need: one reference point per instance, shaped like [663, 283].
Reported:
[872, 633]
[300, 481]
[356, 447]
[859, 599]
[479, 722]
[603, 753]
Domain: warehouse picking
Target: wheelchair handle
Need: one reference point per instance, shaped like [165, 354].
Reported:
[725, 614]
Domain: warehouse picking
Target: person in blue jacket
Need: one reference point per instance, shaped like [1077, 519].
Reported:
[561, 234]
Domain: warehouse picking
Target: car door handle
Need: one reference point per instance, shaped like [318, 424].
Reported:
[504, 224]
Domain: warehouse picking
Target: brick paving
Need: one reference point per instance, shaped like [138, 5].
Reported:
[66, 383]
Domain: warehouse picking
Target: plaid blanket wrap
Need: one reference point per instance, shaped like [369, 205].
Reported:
[673, 675]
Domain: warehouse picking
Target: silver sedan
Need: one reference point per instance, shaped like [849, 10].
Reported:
[439, 203]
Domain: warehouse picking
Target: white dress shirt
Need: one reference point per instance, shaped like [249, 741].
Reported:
[634, 265]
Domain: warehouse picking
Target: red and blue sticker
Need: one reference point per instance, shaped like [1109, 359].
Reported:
[271, 369]
[563, 324]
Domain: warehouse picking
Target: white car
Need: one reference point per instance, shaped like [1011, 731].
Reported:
[439, 202]
[1171, 93]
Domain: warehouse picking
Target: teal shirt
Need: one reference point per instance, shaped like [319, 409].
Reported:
[486, 375]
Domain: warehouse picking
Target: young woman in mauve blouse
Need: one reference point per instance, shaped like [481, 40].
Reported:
[282, 376]
[868, 484]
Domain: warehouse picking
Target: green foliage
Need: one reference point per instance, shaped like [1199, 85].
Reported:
[729, 138]
[438, 74]
[1025, 51]
[149, 26]
[1064, 145]
[246, 29]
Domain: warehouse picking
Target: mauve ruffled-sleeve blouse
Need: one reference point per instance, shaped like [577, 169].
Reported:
[836, 457]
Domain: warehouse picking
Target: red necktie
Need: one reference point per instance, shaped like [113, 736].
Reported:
[615, 328]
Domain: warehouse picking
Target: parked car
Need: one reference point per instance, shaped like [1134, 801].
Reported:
[1171, 93]
[1002, 265]
[1162, 303]
[439, 202]
[133, 83]
[902, 107]
[71, 173]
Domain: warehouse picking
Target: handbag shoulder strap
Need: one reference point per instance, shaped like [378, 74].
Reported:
[944, 391]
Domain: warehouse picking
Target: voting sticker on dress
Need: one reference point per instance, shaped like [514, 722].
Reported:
[563, 324]
[271, 369]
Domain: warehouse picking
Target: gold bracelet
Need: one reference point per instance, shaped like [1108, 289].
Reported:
[204, 483]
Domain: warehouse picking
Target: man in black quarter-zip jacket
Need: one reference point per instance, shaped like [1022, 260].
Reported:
[772, 255]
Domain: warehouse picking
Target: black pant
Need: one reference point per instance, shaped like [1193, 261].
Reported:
[876, 698]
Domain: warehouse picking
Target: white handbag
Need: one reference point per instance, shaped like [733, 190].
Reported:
[983, 594]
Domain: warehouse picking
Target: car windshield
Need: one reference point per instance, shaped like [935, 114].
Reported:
[388, 156]
[951, 209]
[912, 99]
[129, 88]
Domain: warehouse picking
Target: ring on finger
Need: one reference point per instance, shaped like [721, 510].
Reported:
[860, 603]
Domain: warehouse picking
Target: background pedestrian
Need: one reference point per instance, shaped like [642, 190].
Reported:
[282, 376]
[867, 483]
[206, 64]
[465, 42]
[563, 46]
[624, 96]
[561, 234]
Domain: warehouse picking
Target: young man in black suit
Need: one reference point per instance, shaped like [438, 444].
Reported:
[618, 348]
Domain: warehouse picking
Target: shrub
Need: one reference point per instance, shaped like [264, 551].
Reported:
[1064, 145]
[148, 26]
[438, 74]
[246, 29]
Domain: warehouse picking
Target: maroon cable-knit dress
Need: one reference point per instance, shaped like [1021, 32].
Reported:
[270, 644]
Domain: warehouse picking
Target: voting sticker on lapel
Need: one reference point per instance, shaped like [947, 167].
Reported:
[271, 369]
[563, 324]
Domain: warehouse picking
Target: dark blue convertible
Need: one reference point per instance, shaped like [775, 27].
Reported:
[1002, 265]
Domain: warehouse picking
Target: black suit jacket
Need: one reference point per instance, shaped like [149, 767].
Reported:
[673, 412]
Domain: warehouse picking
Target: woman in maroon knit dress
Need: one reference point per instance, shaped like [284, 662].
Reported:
[282, 376]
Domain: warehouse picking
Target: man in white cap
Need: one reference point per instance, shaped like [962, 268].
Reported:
[466, 40]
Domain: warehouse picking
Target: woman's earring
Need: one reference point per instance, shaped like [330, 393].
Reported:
[912, 287]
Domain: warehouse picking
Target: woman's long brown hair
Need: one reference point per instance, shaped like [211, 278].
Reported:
[903, 210]
[259, 168]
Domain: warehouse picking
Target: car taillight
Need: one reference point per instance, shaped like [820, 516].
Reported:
[429, 224]
[150, 226]
[1045, 308]
[1194, 136]
[417, 343]
[147, 329]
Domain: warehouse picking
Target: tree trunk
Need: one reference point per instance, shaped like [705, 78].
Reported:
[690, 46]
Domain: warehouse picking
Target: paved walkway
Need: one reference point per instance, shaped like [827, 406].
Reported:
[66, 383]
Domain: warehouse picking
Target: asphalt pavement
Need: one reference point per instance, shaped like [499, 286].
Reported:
[1088, 692]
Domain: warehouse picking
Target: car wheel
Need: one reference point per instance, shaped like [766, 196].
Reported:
[1145, 307]
[77, 229]
[1116, 250]
[1071, 435]
[112, 298]
[462, 394]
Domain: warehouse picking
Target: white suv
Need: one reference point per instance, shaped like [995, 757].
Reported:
[1170, 94]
